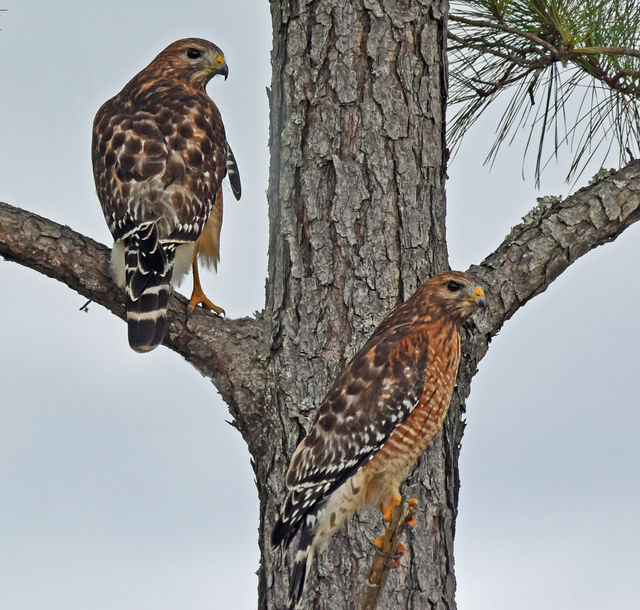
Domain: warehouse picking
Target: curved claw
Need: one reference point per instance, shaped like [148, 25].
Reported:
[199, 298]
[387, 509]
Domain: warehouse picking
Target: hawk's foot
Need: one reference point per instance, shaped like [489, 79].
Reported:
[199, 298]
[395, 557]
[410, 519]
[387, 509]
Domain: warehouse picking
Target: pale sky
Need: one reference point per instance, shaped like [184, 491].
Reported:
[121, 484]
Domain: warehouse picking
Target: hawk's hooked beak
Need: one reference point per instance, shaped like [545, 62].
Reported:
[224, 70]
[219, 66]
[478, 298]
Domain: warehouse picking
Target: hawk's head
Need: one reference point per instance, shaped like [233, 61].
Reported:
[192, 60]
[454, 294]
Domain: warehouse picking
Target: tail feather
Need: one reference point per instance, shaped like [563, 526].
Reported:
[148, 269]
[297, 505]
[147, 316]
[144, 256]
[299, 513]
[302, 562]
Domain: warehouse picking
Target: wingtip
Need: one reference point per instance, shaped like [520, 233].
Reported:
[279, 533]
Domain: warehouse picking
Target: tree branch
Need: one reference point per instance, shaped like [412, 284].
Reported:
[387, 557]
[481, 23]
[552, 236]
[555, 52]
[233, 353]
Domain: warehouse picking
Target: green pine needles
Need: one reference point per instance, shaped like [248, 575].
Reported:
[570, 67]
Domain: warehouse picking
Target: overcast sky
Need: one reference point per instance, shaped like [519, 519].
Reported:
[121, 485]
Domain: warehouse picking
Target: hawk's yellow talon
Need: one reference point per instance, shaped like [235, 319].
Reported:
[201, 299]
[387, 509]
[411, 520]
[198, 296]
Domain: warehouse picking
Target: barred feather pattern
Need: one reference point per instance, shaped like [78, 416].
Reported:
[383, 409]
[302, 560]
[148, 270]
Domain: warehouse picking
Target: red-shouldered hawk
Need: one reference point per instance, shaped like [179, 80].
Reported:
[381, 412]
[159, 155]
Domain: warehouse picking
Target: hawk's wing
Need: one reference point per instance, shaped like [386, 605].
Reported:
[128, 149]
[146, 171]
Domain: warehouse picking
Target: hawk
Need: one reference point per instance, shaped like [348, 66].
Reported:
[159, 155]
[379, 415]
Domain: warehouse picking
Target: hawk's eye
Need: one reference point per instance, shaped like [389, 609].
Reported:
[453, 286]
[193, 53]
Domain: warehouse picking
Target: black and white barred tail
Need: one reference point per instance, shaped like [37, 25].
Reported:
[148, 270]
[302, 561]
[303, 557]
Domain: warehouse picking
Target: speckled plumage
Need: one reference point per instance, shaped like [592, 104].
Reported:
[159, 155]
[379, 415]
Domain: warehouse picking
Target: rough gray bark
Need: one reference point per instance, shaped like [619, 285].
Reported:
[357, 220]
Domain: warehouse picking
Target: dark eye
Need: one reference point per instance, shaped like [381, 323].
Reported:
[193, 53]
[453, 286]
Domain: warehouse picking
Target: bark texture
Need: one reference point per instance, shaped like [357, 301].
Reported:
[357, 221]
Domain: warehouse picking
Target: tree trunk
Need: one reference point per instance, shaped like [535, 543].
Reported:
[357, 217]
